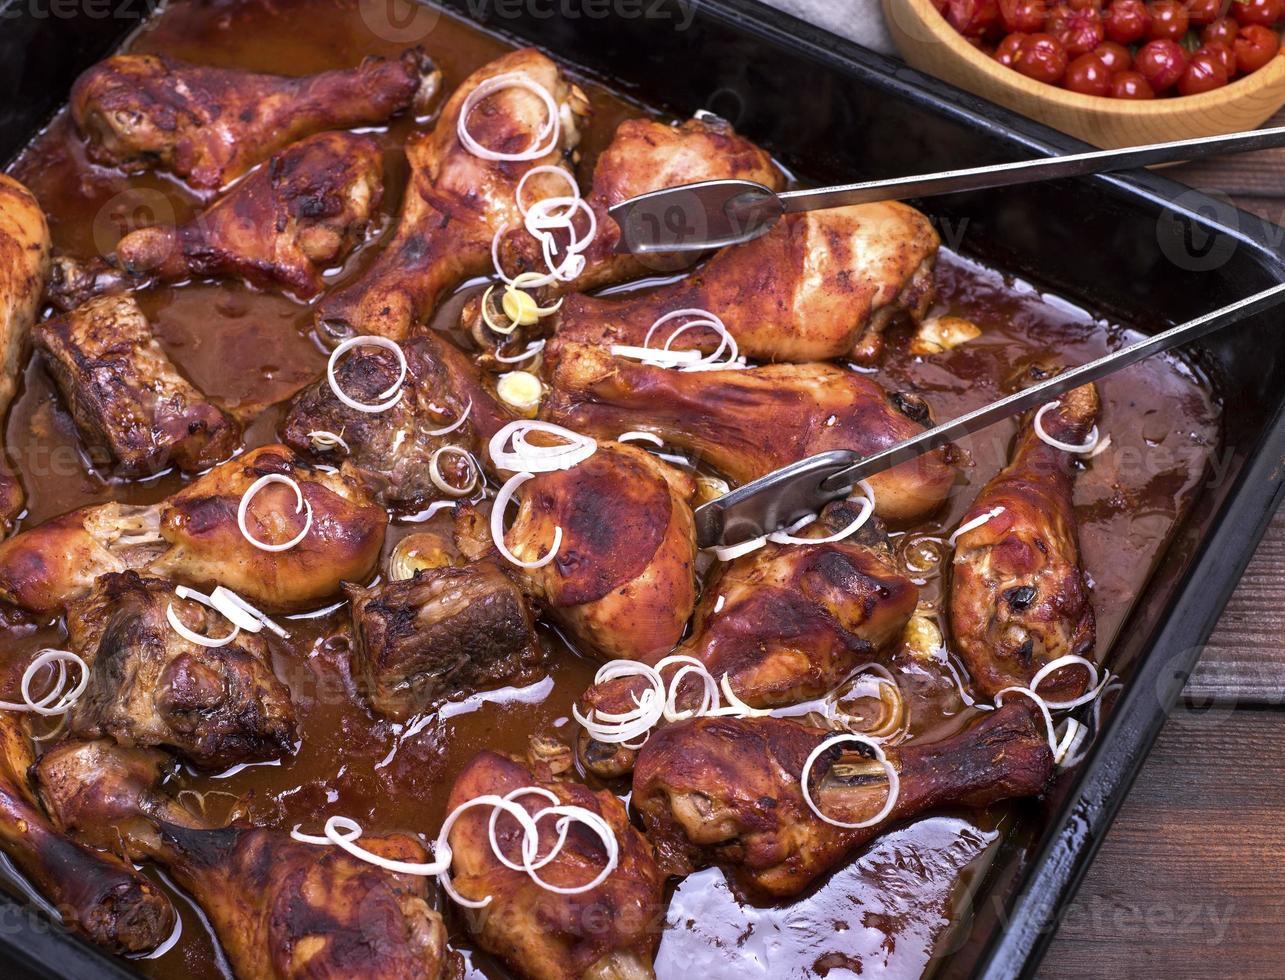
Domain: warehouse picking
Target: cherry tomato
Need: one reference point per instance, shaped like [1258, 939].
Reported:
[1115, 56]
[1225, 55]
[1086, 4]
[1255, 46]
[1168, 20]
[1161, 63]
[1127, 21]
[1006, 53]
[1088, 76]
[1202, 12]
[973, 18]
[1205, 72]
[1221, 31]
[1041, 57]
[1023, 16]
[1131, 85]
[1262, 12]
[1080, 31]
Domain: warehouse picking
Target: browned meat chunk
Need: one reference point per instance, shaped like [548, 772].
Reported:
[129, 401]
[150, 686]
[445, 632]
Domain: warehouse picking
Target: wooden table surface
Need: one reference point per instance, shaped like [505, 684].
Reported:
[1188, 880]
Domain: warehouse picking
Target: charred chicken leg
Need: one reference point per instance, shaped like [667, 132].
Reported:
[785, 624]
[1018, 597]
[281, 908]
[606, 932]
[747, 423]
[727, 791]
[623, 581]
[283, 226]
[210, 125]
[820, 285]
[24, 267]
[97, 894]
[456, 202]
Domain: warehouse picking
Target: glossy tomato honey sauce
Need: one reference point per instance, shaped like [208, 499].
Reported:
[885, 913]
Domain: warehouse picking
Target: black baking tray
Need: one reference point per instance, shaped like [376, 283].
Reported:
[1141, 249]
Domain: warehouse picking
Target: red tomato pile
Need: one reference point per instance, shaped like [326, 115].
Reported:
[1124, 49]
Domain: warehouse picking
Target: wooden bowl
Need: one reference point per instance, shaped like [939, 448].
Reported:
[928, 42]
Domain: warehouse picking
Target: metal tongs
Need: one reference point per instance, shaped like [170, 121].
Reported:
[779, 499]
[716, 213]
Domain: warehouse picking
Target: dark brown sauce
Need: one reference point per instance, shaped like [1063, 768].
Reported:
[885, 912]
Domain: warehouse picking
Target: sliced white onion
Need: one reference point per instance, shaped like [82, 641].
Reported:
[439, 481]
[532, 349]
[390, 396]
[635, 435]
[1066, 661]
[192, 636]
[225, 600]
[1070, 741]
[497, 525]
[526, 457]
[344, 832]
[58, 700]
[973, 524]
[735, 706]
[1103, 446]
[727, 552]
[454, 425]
[1088, 446]
[596, 823]
[547, 169]
[300, 504]
[322, 440]
[718, 604]
[724, 357]
[867, 508]
[544, 141]
[654, 357]
[894, 781]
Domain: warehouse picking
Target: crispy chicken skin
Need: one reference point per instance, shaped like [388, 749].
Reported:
[282, 227]
[445, 632]
[747, 423]
[391, 451]
[1018, 597]
[150, 686]
[281, 908]
[820, 285]
[55, 563]
[97, 894]
[726, 791]
[24, 267]
[206, 546]
[785, 624]
[456, 202]
[644, 155]
[608, 933]
[208, 126]
[129, 402]
[623, 582]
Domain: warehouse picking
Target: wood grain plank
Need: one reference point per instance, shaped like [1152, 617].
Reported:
[1260, 174]
[1187, 882]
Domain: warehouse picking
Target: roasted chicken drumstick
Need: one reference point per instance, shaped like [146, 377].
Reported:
[747, 423]
[820, 285]
[96, 893]
[1018, 597]
[785, 624]
[606, 933]
[24, 266]
[283, 226]
[727, 791]
[281, 908]
[623, 582]
[210, 125]
[456, 202]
